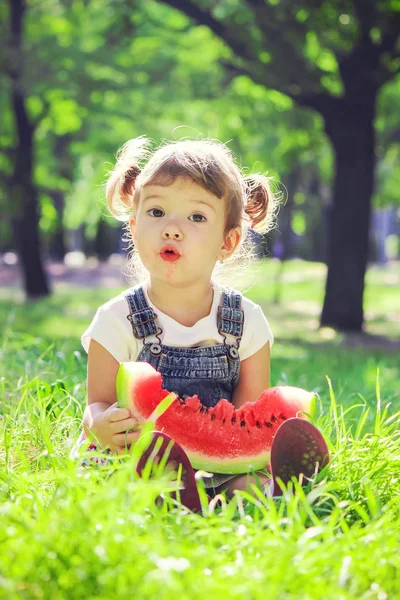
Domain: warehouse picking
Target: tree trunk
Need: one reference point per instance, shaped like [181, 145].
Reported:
[65, 169]
[23, 191]
[27, 243]
[24, 195]
[57, 249]
[315, 219]
[351, 130]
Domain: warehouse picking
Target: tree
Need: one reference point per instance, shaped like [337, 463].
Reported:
[332, 57]
[21, 186]
[56, 57]
[90, 82]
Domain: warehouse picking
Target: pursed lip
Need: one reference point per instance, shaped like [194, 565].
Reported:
[171, 248]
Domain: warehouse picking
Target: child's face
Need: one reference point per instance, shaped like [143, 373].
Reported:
[190, 221]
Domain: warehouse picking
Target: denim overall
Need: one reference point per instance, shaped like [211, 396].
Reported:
[211, 372]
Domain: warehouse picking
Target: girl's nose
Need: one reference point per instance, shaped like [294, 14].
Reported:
[172, 232]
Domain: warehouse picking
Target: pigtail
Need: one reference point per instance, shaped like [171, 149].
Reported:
[121, 184]
[261, 203]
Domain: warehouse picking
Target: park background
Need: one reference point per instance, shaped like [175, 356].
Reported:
[308, 92]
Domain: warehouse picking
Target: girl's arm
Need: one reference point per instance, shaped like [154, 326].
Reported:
[102, 417]
[102, 374]
[254, 377]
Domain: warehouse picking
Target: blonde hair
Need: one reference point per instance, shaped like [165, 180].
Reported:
[249, 201]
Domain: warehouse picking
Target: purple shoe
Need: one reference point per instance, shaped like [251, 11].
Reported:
[172, 456]
[297, 448]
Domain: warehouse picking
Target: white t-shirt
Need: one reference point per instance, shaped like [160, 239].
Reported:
[111, 328]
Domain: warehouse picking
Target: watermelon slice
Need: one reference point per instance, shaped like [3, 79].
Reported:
[220, 439]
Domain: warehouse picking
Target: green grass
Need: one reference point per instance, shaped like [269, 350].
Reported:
[68, 534]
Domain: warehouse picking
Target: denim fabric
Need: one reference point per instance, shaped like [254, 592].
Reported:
[211, 372]
[141, 316]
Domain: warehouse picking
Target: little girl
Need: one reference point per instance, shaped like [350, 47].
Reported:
[190, 210]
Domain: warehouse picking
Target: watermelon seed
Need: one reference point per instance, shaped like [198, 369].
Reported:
[268, 424]
[274, 419]
[242, 423]
[258, 424]
[283, 417]
[233, 420]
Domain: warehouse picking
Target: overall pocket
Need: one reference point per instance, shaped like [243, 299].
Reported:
[194, 367]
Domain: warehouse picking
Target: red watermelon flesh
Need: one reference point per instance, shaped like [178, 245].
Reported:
[220, 439]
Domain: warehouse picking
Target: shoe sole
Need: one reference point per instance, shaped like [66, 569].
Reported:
[298, 448]
[163, 450]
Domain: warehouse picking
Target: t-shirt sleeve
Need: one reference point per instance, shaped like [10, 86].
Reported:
[109, 330]
[257, 333]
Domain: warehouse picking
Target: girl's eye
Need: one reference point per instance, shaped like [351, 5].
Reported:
[195, 216]
[155, 210]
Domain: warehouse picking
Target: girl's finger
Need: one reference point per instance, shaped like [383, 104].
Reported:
[124, 425]
[125, 439]
[119, 414]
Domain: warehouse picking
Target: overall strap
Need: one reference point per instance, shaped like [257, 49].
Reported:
[230, 320]
[141, 316]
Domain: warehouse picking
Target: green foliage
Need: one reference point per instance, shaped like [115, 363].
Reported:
[48, 214]
[388, 151]
[94, 78]
[299, 222]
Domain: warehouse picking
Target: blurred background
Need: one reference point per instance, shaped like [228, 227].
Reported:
[308, 91]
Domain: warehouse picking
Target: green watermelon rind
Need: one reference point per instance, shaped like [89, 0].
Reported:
[230, 466]
[123, 387]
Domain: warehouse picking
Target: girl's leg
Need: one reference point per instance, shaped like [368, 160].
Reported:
[242, 483]
[297, 448]
[91, 458]
[163, 448]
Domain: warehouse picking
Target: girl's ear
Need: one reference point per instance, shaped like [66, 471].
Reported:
[230, 244]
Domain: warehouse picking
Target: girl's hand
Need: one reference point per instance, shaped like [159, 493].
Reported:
[115, 428]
